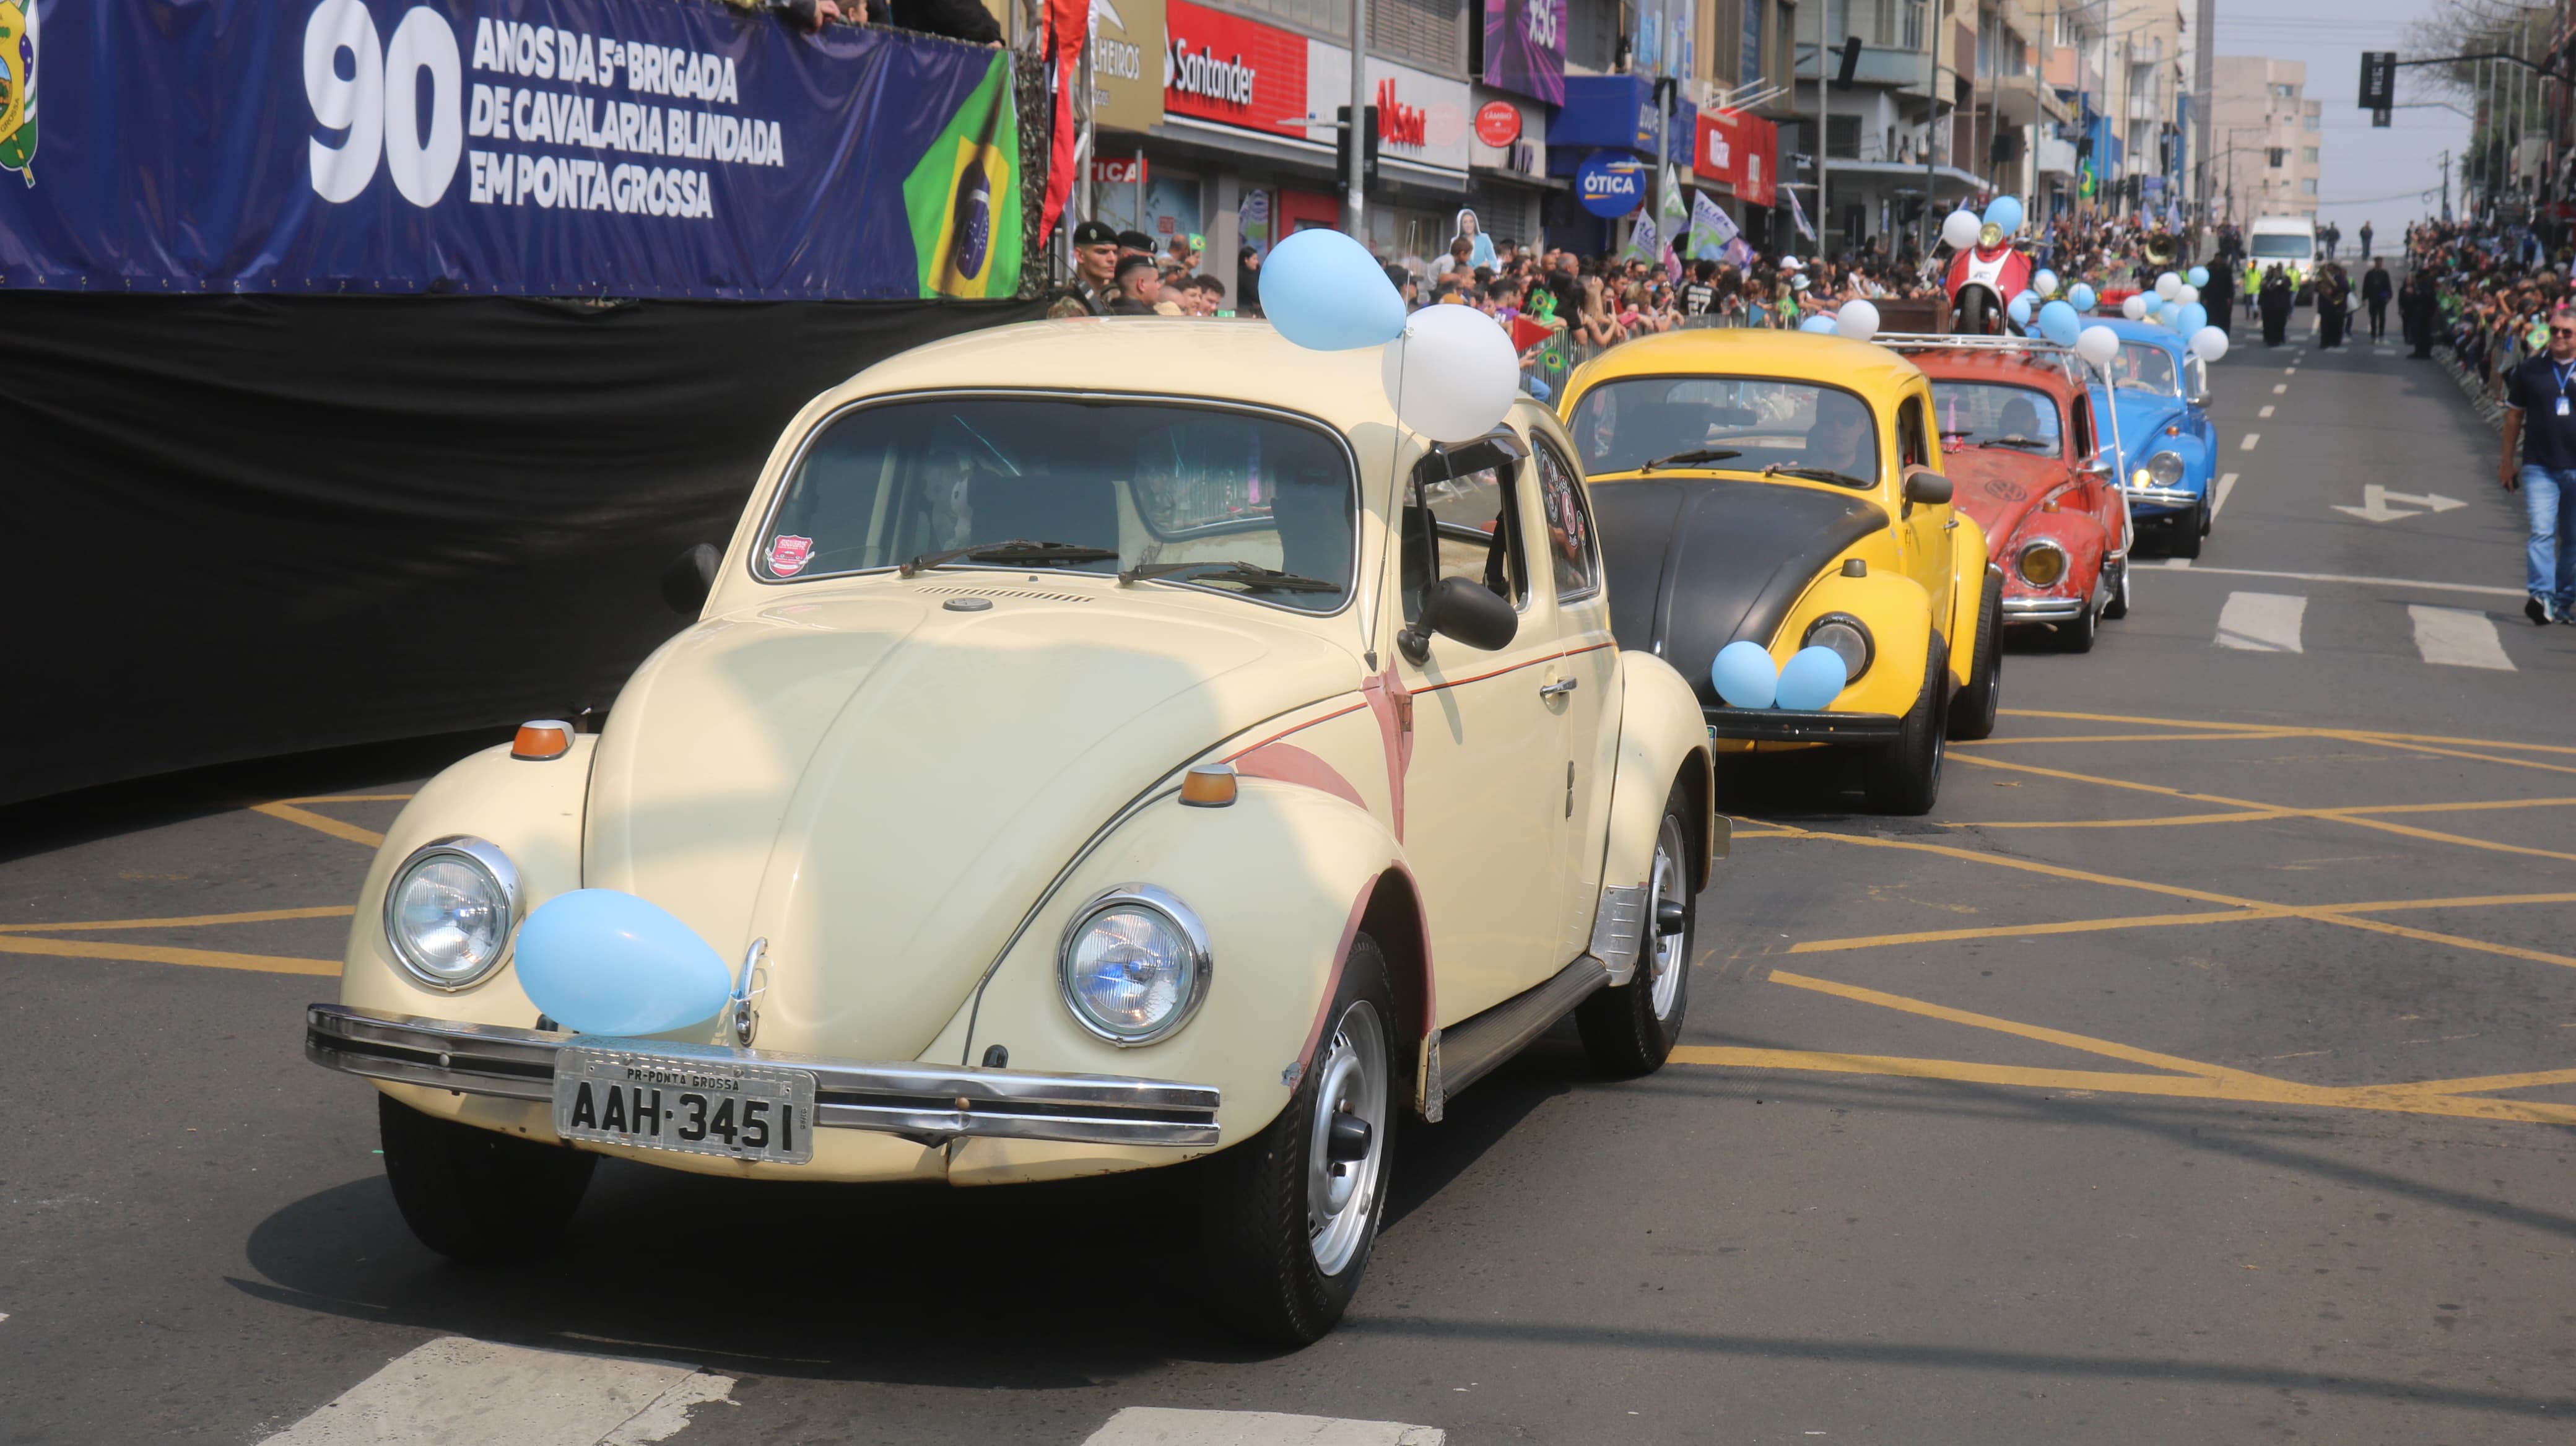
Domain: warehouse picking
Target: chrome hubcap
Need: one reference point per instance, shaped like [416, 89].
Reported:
[1670, 883]
[1341, 1195]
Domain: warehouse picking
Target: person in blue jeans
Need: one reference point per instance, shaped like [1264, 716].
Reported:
[2540, 414]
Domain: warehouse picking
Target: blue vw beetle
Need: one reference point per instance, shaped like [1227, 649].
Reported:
[2166, 449]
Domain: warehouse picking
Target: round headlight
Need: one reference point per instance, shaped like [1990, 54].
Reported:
[1848, 636]
[2165, 469]
[450, 911]
[2041, 563]
[1134, 965]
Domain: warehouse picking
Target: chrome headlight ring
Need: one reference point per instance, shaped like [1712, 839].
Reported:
[2164, 469]
[473, 895]
[2047, 558]
[1134, 965]
[1849, 637]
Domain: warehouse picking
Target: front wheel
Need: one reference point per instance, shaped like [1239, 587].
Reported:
[1290, 1216]
[1972, 712]
[1631, 1030]
[2077, 636]
[2184, 540]
[1904, 776]
[475, 1195]
[2118, 606]
[1975, 316]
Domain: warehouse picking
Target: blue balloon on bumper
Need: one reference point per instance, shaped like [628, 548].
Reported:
[1811, 679]
[599, 961]
[1744, 674]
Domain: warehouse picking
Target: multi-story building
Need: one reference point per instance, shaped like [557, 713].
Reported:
[2265, 136]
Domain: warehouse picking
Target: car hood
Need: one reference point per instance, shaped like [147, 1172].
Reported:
[1696, 563]
[1999, 488]
[2142, 418]
[882, 786]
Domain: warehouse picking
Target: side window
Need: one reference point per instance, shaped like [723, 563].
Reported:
[2083, 427]
[1470, 531]
[1913, 440]
[1572, 552]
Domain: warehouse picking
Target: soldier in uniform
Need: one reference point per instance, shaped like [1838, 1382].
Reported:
[1095, 262]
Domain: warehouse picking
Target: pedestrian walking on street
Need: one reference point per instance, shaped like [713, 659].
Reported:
[2218, 298]
[2375, 289]
[2415, 313]
[2540, 413]
[2365, 241]
[2278, 297]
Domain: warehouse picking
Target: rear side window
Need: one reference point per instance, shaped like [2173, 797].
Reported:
[1913, 440]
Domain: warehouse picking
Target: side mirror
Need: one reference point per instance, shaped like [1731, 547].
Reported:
[689, 578]
[2099, 469]
[1926, 486]
[2198, 399]
[1453, 607]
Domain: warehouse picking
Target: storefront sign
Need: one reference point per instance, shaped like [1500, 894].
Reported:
[1421, 118]
[1525, 49]
[1222, 67]
[1739, 151]
[1126, 76]
[537, 147]
[1611, 184]
[1498, 123]
[1118, 170]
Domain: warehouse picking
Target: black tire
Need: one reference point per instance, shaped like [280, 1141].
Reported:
[2118, 605]
[2077, 636]
[1257, 1228]
[1631, 1030]
[2184, 538]
[1972, 709]
[478, 1196]
[1904, 777]
[1975, 316]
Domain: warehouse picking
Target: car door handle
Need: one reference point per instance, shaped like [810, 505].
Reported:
[1559, 688]
[1950, 526]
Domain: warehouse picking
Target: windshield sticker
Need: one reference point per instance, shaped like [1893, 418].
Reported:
[789, 554]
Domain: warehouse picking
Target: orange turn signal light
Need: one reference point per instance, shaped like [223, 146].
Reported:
[543, 739]
[1209, 785]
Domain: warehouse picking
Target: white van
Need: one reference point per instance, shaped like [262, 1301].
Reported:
[2286, 241]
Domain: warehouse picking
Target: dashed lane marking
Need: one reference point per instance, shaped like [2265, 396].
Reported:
[2226, 485]
[458, 1392]
[2262, 622]
[2251, 438]
[2457, 638]
[1163, 1426]
[2267, 411]
[2182, 564]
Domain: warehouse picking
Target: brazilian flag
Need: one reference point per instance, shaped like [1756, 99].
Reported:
[18, 87]
[964, 196]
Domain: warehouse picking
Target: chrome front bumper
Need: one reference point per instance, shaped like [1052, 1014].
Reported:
[919, 1101]
[2042, 609]
[2162, 496]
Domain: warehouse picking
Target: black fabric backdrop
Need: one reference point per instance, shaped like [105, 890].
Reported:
[245, 526]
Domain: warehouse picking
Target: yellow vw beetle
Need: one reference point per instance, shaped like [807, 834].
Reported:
[1102, 744]
[1785, 489]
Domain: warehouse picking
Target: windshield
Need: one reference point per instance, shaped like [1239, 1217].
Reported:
[1152, 483]
[2283, 246]
[1981, 414]
[1622, 425]
[2143, 366]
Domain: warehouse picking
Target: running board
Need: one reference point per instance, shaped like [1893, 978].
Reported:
[1469, 1050]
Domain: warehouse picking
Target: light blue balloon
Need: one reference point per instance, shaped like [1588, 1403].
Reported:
[2045, 283]
[2081, 297]
[1820, 324]
[2059, 323]
[1325, 292]
[2003, 212]
[1811, 679]
[2019, 309]
[2197, 276]
[2154, 302]
[2191, 318]
[598, 961]
[1744, 675]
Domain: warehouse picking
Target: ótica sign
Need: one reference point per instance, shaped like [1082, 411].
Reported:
[1610, 183]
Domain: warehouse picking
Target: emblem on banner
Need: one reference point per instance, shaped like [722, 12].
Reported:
[963, 198]
[18, 87]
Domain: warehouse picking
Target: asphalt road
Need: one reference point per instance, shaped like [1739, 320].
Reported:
[2201, 1070]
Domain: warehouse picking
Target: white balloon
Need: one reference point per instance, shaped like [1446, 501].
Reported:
[2186, 294]
[1960, 228]
[2097, 344]
[2167, 285]
[2209, 343]
[1452, 375]
[1857, 320]
[2134, 307]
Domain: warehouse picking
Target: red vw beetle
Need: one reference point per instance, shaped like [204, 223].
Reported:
[2017, 431]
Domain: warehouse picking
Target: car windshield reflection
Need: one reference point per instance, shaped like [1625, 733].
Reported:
[1765, 424]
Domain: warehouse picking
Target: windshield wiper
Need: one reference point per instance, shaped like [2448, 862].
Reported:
[1259, 579]
[1016, 550]
[1696, 454]
[1814, 474]
[2033, 443]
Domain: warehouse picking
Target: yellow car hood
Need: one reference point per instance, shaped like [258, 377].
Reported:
[882, 786]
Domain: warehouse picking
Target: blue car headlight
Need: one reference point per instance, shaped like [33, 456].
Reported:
[2164, 469]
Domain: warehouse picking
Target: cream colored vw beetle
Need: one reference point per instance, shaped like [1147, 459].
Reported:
[1104, 744]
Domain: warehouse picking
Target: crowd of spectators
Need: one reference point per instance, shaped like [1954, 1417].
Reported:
[2485, 293]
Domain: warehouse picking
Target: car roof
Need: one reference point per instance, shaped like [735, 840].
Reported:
[2127, 330]
[1751, 351]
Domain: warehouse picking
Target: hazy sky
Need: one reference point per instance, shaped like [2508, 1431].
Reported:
[2365, 173]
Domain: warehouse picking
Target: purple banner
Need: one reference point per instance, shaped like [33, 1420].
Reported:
[1525, 48]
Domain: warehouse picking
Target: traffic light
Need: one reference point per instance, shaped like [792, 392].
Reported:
[2378, 79]
[1342, 149]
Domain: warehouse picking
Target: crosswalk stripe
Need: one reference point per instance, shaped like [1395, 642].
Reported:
[2458, 638]
[459, 1392]
[2262, 622]
[1162, 1426]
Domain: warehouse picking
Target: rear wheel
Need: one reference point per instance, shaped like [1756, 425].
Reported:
[1290, 1216]
[1972, 712]
[1976, 313]
[476, 1195]
[1631, 1030]
[1904, 776]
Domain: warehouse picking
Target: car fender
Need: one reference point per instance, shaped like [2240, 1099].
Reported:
[1968, 564]
[1282, 880]
[2081, 536]
[1897, 612]
[1663, 741]
[532, 811]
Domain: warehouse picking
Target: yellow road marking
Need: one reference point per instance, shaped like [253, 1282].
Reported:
[2070, 926]
[332, 826]
[2043, 1034]
[2284, 730]
[2477, 757]
[2484, 1083]
[2131, 738]
[351, 798]
[2339, 810]
[255, 916]
[157, 954]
